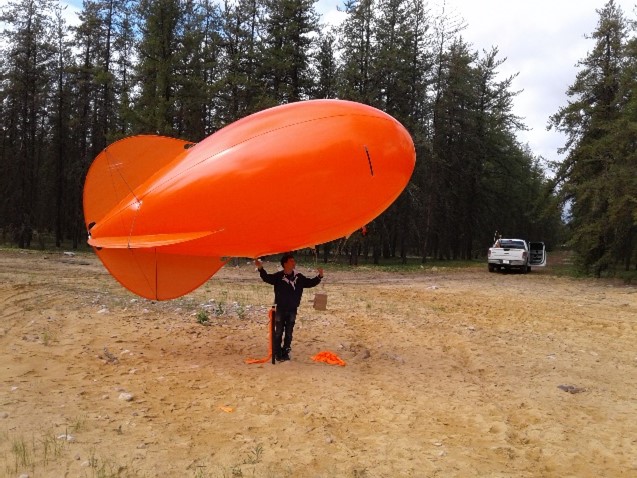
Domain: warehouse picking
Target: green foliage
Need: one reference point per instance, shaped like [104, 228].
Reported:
[597, 179]
[188, 68]
[254, 456]
[202, 317]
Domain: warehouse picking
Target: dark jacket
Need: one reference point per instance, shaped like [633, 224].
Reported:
[288, 289]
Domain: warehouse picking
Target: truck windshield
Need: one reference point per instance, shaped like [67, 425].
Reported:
[511, 244]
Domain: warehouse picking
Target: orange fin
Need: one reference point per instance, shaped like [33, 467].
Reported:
[156, 275]
[121, 167]
[153, 240]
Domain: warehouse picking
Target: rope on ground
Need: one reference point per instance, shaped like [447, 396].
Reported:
[251, 361]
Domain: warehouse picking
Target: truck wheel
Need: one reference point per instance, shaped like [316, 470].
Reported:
[528, 268]
[491, 268]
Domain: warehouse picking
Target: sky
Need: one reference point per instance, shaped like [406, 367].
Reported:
[542, 40]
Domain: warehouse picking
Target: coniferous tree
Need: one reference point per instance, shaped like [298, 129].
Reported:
[62, 150]
[160, 25]
[357, 51]
[326, 68]
[431, 173]
[188, 67]
[100, 81]
[288, 29]
[622, 206]
[197, 70]
[27, 75]
[240, 90]
[391, 79]
[122, 69]
[588, 121]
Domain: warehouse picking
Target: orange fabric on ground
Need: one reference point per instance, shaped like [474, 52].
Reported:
[329, 358]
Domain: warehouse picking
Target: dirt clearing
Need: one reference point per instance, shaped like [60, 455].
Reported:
[449, 373]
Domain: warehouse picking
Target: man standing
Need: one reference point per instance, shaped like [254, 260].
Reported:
[288, 289]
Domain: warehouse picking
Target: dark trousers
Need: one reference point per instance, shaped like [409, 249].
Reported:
[283, 328]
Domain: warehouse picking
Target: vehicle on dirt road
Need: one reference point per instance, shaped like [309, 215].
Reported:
[507, 254]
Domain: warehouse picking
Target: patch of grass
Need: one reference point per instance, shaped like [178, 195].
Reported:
[47, 337]
[241, 311]
[51, 448]
[393, 264]
[254, 456]
[33, 454]
[416, 265]
[107, 468]
[566, 264]
[249, 465]
[202, 317]
[22, 454]
[78, 424]
[219, 308]
[628, 277]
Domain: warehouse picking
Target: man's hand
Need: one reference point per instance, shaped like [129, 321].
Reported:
[258, 263]
[320, 271]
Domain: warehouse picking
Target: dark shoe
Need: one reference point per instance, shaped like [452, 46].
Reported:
[284, 357]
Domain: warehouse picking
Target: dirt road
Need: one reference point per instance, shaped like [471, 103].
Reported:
[449, 373]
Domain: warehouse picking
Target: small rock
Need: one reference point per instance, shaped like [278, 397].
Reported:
[142, 446]
[103, 311]
[397, 358]
[24, 475]
[67, 437]
[77, 457]
[85, 464]
[70, 254]
[571, 388]
[4, 415]
[127, 397]
[109, 357]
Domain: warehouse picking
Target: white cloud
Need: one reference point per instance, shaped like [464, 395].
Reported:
[542, 40]
[70, 11]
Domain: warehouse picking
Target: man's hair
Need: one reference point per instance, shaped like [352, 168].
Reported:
[286, 257]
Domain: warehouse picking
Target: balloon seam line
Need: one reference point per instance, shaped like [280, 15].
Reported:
[369, 160]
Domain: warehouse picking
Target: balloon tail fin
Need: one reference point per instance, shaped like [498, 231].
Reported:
[156, 275]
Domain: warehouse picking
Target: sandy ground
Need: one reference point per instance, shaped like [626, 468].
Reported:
[449, 373]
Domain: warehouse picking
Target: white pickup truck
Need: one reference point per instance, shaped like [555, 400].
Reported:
[516, 254]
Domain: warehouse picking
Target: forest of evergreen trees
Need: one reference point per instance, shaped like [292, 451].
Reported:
[186, 68]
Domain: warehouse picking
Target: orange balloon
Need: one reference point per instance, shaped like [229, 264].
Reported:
[162, 212]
